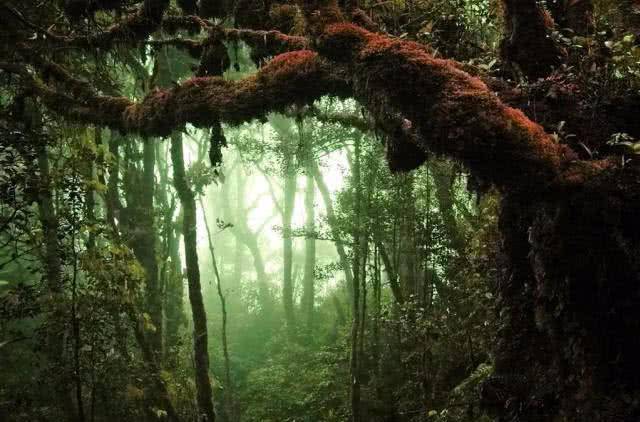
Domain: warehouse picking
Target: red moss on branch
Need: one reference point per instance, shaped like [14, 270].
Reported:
[455, 114]
[293, 78]
[440, 107]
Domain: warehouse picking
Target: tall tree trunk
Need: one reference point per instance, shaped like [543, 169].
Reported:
[159, 395]
[138, 223]
[406, 260]
[355, 324]
[392, 275]
[54, 283]
[335, 230]
[308, 287]
[89, 194]
[290, 181]
[75, 319]
[172, 279]
[149, 260]
[112, 197]
[200, 337]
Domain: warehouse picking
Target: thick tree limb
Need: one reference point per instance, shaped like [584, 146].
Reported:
[296, 77]
[453, 113]
[450, 112]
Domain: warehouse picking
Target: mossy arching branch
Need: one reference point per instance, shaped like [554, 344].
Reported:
[297, 77]
[455, 115]
[450, 112]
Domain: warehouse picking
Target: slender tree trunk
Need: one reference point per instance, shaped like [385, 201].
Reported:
[355, 327]
[335, 230]
[75, 319]
[113, 204]
[308, 288]
[90, 202]
[228, 390]
[160, 392]
[147, 252]
[287, 239]
[406, 259]
[171, 273]
[396, 289]
[377, 313]
[200, 337]
[443, 181]
[137, 221]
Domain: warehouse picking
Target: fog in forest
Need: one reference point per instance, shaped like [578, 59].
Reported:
[319, 211]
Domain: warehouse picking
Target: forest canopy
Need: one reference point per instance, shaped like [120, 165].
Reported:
[243, 210]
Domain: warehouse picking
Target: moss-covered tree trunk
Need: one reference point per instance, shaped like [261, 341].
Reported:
[200, 336]
[54, 283]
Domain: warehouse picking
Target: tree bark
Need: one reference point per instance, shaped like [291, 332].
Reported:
[200, 336]
[526, 41]
[172, 278]
[54, 283]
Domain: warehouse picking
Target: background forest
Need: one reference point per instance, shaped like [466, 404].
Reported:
[276, 270]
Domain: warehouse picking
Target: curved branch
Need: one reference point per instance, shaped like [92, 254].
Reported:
[450, 112]
[453, 113]
[296, 77]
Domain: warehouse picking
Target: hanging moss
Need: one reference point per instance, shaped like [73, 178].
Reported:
[214, 60]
